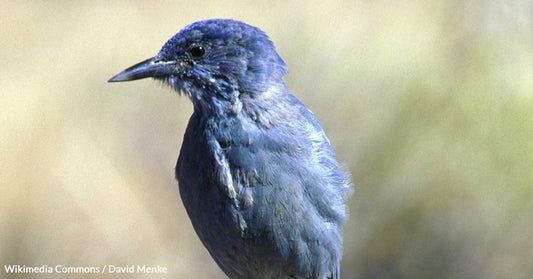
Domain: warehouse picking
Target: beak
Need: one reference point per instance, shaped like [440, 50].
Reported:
[151, 67]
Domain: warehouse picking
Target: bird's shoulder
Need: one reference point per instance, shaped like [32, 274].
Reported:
[273, 138]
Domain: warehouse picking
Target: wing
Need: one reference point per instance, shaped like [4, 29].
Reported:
[289, 186]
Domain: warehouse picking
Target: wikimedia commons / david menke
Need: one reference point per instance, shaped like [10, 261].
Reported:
[85, 269]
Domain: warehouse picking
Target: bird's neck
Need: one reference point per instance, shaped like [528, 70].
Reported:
[265, 108]
[217, 105]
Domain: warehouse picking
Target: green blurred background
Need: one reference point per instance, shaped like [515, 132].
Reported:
[428, 103]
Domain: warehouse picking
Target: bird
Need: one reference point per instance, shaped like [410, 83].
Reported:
[257, 174]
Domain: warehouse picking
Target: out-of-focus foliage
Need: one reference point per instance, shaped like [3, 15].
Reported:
[428, 103]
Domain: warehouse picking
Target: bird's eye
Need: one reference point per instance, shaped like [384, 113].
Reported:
[197, 51]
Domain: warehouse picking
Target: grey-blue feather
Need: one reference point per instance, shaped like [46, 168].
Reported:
[257, 175]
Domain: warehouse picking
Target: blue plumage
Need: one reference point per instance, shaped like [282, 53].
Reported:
[256, 173]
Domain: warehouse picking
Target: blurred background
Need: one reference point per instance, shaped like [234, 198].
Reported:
[428, 103]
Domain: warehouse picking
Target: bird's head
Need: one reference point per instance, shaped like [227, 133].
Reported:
[222, 58]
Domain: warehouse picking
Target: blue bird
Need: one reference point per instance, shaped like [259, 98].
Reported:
[257, 175]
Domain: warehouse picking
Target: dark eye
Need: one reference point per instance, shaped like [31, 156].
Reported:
[197, 51]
